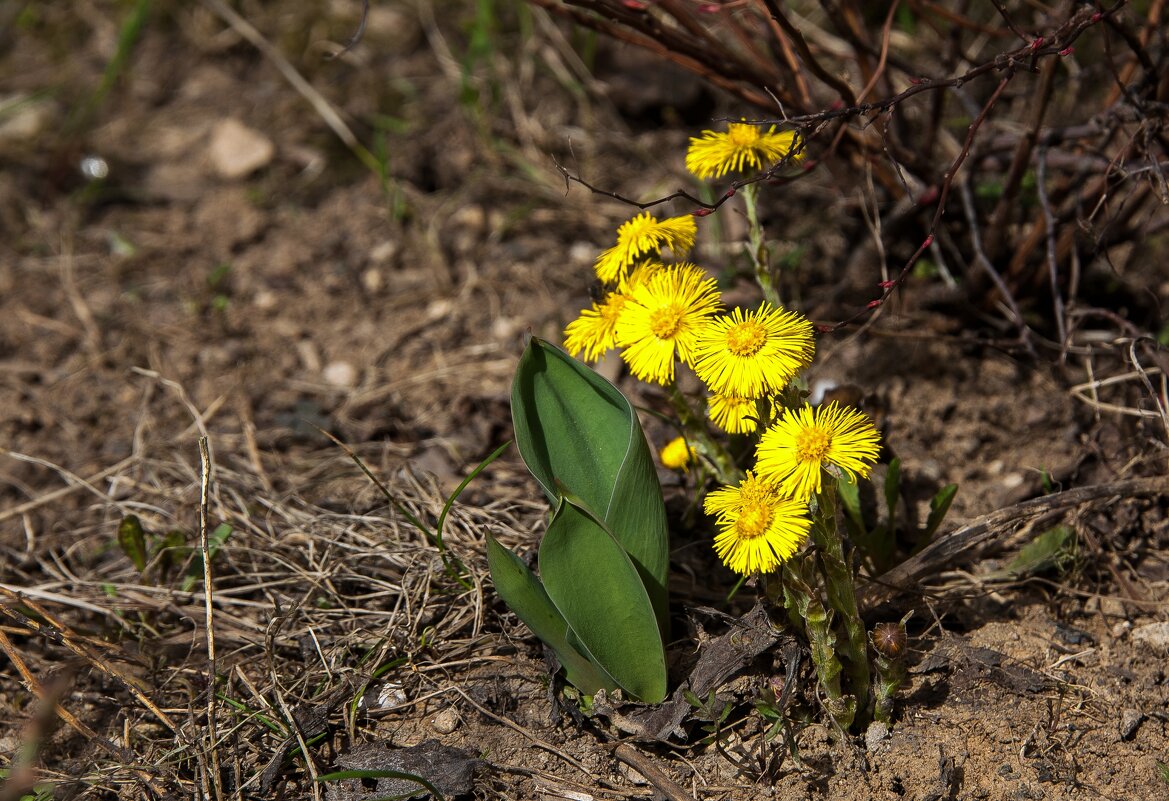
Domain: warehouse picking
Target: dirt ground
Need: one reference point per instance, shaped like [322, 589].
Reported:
[240, 274]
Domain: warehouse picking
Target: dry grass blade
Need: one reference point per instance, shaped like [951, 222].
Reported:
[209, 615]
[59, 633]
[37, 689]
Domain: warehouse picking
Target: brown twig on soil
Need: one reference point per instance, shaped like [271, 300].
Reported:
[356, 37]
[33, 685]
[654, 775]
[956, 545]
[209, 615]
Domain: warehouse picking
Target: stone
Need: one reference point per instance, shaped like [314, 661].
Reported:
[875, 734]
[446, 721]
[236, 151]
[1130, 721]
[340, 374]
[23, 118]
[1154, 635]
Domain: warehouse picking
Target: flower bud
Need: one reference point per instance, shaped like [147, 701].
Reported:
[889, 640]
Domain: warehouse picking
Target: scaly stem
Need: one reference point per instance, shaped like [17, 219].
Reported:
[840, 586]
[803, 603]
[760, 255]
[698, 435]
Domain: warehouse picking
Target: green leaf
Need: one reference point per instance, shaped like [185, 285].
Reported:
[595, 586]
[215, 541]
[1052, 548]
[525, 596]
[132, 540]
[850, 498]
[421, 781]
[580, 438]
[939, 505]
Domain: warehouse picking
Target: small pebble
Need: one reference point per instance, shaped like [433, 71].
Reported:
[340, 374]
[875, 734]
[383, 252]
[236, 150]
[445, 721]
[1130, 721]
[1154, 635]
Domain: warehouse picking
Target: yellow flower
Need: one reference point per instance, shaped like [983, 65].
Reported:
[677, 454]
[640, 274]
[644, 236]
[753, 354]
[594, 332]
[758, 527]
[662, 317]
[732, 414]
[743, 145]
[794, 452]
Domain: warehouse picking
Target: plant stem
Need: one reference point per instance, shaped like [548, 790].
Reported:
[693, 426]
[840, 587]
[760, 256]
[804, 602]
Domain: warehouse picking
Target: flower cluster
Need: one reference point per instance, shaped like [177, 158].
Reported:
[664, 312]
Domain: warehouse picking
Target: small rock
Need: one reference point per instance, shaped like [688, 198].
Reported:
[1013, 480]
[266, 300]
[875, 734]
[236, 150]
[1113, 607]
[383, 252]
[372, 280]
[394, 30]
[445, 721]
[1154, 635]
[340, 374]
[310, 357]
[1130, 721]
[23, 118]
[581, 253]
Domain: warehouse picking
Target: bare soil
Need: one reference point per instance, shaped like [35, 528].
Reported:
[171, 301]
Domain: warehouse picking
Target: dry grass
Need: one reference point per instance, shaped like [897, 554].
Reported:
[310, 602]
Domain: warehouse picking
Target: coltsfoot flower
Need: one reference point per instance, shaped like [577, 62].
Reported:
[758, 527]
[662, 318]
[733, 414]
[754, 353]
[677, 454]
[595, 331]
[794, 452]
[742, 145]
[644, 236]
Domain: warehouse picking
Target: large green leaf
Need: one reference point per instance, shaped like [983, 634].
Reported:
[581, 438]
[597, 589]
[524, 595]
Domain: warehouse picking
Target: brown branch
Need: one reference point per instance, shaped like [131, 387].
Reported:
[840, 86]
[960, 544]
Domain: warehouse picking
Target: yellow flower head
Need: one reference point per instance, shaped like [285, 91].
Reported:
[663, 317]
[733, 414]
[753, 354]
[758, 527]
[640, 274]
[677, 454]
[793, 453]
[714, 154]
[594, 332]
[645, 236]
